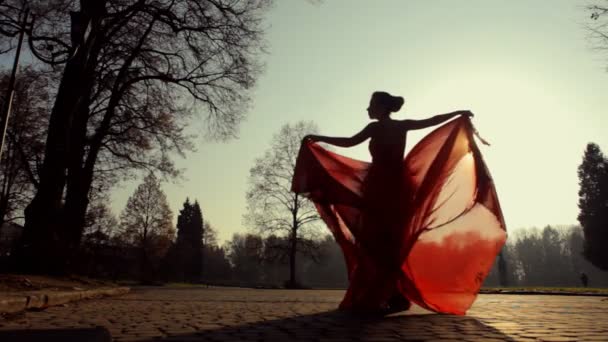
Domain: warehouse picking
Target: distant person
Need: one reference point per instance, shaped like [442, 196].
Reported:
[423, 229]
[584, 279]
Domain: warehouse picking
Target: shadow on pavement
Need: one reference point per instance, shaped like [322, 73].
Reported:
[343, 326]
[98, 334]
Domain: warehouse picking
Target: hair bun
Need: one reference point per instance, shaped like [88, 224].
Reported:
[396, 103]
[389, 102]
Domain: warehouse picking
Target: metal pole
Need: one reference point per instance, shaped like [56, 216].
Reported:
[11, 83]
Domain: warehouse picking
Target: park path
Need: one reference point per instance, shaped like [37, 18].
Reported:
[232, 314]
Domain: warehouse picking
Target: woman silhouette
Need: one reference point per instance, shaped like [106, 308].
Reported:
[423, 229]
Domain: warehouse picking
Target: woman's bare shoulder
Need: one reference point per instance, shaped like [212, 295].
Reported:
[405, 124]
[372, 127]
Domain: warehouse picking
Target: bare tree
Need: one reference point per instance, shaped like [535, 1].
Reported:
[209, 235]
[133, 73]
[146, 223]
[599, 27]
[272, 208]
[26, 133]
[100, 221]
[100, 227]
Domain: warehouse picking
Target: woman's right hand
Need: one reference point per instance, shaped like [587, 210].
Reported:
[308, 137]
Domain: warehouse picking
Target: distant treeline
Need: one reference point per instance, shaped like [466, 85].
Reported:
[245, 260]
[546, 257]
[532, 257]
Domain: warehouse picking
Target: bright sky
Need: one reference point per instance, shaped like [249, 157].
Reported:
[524, 67]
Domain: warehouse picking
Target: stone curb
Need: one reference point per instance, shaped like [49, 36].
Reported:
[43, 300]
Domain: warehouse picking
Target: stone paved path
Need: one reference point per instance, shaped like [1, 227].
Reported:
[229, 314]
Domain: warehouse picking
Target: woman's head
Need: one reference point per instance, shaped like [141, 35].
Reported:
[382, 104]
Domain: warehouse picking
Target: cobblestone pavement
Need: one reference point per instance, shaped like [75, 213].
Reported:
[229, 314]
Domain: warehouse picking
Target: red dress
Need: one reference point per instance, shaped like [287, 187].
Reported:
[427, 228]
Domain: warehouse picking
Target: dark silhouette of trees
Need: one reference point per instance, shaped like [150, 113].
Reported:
[113, 250]
[245, 252]
[272, 208]
[256, 261]
[506, 267]
[576, 242]
[552, 256]
[503, 279]
[133, 72]
[217, 269]
[25, 136]
[97, 249]
[216, 266]
[329, 271]
[197, 234]
[593, 205]
[100, 221]
[538, 253]
[146, 223]
[251, 260]
[209, 235]
[527, 248]
[188, 247]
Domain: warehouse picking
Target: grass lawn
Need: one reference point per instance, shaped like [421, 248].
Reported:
[20, 282]
[31, 282]
[493, 290]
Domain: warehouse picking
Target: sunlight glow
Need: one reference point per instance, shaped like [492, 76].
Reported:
[529, 75]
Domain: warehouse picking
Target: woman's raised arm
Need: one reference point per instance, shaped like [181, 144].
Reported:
[435, 120]
[356, 139]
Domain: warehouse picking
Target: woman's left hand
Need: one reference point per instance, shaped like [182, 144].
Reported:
[310, 137]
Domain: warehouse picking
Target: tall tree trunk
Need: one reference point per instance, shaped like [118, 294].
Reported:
[81, 171]
[6, 185]
[44, 238]
[3, 211]
[80, 177]
[294, 244]
[144, 269]
[9, 170]
[292, 259]
[77, 201]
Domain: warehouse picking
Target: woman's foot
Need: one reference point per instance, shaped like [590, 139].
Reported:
[398, 303]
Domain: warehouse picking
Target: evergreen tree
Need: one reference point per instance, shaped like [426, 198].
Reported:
[197, 240]
[593, 204]
[188, 254]
[184, 220]
[181, 252]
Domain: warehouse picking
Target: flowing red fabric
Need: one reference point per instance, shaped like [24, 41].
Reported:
[429, 231]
